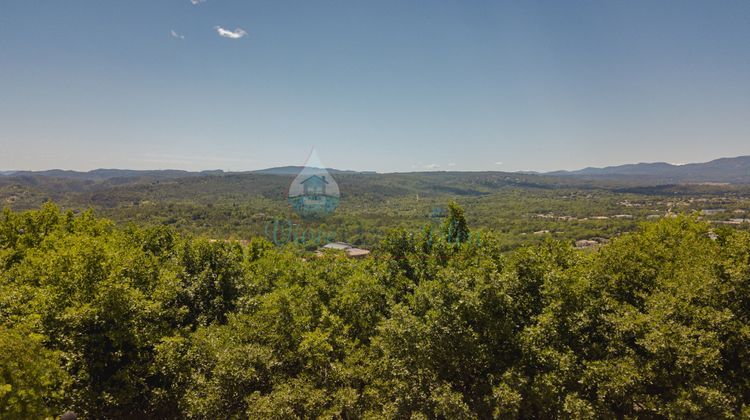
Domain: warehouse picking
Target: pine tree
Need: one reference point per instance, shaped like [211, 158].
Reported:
[454, 226]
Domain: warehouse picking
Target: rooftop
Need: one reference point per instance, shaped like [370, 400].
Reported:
[350, 250]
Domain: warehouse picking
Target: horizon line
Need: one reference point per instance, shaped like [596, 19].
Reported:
[424, 170]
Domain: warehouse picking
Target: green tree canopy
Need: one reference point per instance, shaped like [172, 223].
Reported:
[145, 322]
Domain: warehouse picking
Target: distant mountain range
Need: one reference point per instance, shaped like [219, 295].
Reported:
[107, 174]
[725, 170]
[294, 170]
[734, 170]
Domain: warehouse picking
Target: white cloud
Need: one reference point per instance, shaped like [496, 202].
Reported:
[226, 33]
[196, 2]
[451, 164]
[498, 163]
[176, 35]
[432, 166]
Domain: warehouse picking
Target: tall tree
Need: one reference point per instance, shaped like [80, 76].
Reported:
[454, 226]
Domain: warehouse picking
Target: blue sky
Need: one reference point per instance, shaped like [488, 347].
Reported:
[381, 85]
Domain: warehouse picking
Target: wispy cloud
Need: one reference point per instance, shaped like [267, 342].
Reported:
[452, 164]
[176, 35]
[197, 2]
[226, 33]
[432, 166]
[498, 163]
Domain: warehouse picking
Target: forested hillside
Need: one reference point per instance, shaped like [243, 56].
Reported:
[526, 208]
[118, 321]
[732, 170]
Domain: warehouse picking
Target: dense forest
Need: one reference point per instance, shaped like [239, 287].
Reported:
[525, 208]
[126, 321]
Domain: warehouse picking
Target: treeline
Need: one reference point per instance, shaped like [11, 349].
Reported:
[240, 205]
[114, 322]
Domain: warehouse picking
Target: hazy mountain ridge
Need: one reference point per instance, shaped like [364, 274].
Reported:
[108, 174]
[294, 170]
[734, 170]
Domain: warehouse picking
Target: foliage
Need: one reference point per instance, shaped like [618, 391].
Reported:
[147, 322]
[30, 375]
[526, 208]
[454, 227]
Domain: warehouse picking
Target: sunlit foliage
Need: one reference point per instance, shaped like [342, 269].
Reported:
[131, 322]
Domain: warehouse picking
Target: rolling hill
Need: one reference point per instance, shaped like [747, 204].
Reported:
[734, 170]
